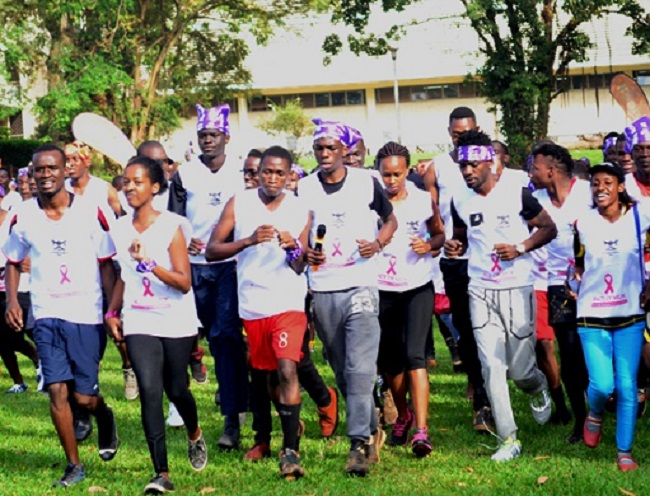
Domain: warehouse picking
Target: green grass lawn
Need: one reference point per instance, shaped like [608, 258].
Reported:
[31, 459]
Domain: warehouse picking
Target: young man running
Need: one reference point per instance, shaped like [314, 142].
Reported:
[269, 228]
[71, 252]
[493, 225]
[345, 203]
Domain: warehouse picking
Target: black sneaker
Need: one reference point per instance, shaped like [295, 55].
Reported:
[357, 459]
[483, 420]
[229, 440]
[290, 467]
[72, 475]
[159, 485]
[197, 452]
[199, 371]
[83, 425]
[107, 437]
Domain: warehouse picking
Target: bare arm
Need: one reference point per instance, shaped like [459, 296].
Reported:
[13, 313]
[431, 182]
[217, 249]
[114, 201]
[545, 233]
[179, 277]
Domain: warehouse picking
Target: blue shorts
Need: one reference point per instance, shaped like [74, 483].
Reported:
[70, 352]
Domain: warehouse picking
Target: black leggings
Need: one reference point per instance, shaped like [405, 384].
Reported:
[405, 320]
[161, 363]
[12, 342]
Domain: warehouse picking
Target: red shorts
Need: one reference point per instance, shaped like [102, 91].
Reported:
[275, 337]
[543, 328]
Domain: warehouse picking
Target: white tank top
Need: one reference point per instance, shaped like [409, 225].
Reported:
[400, 268]
[560, 249]
[207, 195]
[490, 220]
[266, 284]
[540, 271]
[611, 283]
[348, 217]
[150, 306]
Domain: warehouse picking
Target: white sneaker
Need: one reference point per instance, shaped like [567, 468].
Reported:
[540, 404]
[174, 419]
[508, 450]
[131, 390]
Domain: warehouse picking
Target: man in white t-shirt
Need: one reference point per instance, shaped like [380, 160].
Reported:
[200, 191]
[71, 259]
[492, 223]
[11, 198]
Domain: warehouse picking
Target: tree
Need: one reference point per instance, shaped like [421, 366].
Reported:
[141, 63]
[527, 47]
[291, 122]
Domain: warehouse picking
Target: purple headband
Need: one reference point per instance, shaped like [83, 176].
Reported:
[353, 137]
[331, 129]
[609, 143]
[475, 153]
[637, 132]
[23, 171]
[297, 168]
[213, 118]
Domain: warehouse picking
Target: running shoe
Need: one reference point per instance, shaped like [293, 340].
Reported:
[508, 450]
[328, 416]
[625, 462]
[197, 453]
[290, 468]
[389, 410]
[373, 448]
[258, 452]
[540, 404]
[399, 435]
[174, 418]
[17, 389]
[83, 425]
[357, 463]
[592, 431]
[421, 444]
[130, 384]
[73, 474]
[107, 437]
[199, 371]
[159, 485]
[641, 398]
[483, 420]
[229, 440]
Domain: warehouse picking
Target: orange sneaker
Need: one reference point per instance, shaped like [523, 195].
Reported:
[328, 416]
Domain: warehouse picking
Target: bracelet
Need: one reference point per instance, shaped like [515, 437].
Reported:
[381, 245]
[111, 315]
[144, 266]
[293, 254]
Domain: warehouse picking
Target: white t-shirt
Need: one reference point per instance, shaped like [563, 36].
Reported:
[95, 195]
[450, 184]
[151, 307]
[560, 249]
[65, 279]
[11, 200]
[347, 216]
[266, 284]
[207, 195]
[400, 268]
[499, 217]
[23, 285]
[612, 279]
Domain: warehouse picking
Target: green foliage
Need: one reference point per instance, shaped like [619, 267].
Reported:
[17, 153]
[526, 46]
[289, 121]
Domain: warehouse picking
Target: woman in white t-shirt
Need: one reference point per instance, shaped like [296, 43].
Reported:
[158, 315]
[609, 265]
[406, 297]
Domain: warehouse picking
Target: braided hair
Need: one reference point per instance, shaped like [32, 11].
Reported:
[392, 149]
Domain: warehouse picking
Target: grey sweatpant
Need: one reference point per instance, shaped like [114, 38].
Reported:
[348, 325]
[504, 328]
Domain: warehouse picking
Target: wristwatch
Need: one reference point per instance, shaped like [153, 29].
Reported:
[520, 249]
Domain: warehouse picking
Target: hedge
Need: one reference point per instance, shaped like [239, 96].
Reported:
[17, 153]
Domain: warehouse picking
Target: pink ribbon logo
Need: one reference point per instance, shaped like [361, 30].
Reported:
[496, 262]
[63, 270]
[609, 281]
[147, 287]
[337, 249]
[391, 267]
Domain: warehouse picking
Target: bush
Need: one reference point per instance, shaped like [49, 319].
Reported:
[17, 153]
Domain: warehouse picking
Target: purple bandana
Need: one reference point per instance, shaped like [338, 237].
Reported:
[475, 153]
[23, 172]
[637, 132]
[331, 129]
[213, 118]
[609, 143]
[353, 137]
[297, 168]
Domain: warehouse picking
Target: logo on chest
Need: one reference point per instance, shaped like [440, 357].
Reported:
[338, 219]
[59, 246]
[611, 246]
[503, 221]
[475, 219]
[413, 227]
[214, 199]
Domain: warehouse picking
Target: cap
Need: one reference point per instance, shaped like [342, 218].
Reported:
[609, 168]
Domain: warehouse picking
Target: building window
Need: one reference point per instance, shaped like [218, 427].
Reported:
[642, 77]
[16, 125]
[338, 99]
[427, 92]
[322, 99]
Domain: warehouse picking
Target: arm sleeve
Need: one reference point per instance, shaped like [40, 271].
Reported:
[15, 247]
[530, 207]
[380, 202]
[177, 196]
[104, 245]
[457, 221]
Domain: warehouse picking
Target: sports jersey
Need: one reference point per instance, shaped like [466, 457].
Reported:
[150, 306]
[267, 285]
[95, 195]
[23, 285]
[65, 279]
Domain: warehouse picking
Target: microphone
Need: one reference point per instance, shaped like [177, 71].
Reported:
[320, 239]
